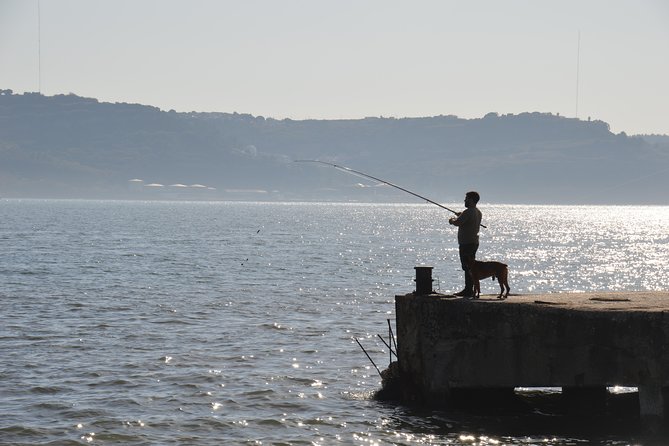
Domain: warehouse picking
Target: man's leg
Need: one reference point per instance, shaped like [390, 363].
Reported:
[467, 253]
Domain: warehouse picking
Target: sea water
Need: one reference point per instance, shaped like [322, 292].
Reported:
[145, 323]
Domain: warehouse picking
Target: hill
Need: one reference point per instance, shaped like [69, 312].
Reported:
[70, 146]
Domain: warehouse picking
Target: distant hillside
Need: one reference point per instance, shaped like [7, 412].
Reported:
[69, 146]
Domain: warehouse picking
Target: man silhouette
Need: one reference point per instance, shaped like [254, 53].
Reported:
[468, 223]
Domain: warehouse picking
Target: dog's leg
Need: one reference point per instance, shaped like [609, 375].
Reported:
[477, 286]
[504, 282]
[497, 276]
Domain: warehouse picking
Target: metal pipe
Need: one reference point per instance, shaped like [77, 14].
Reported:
[368, 357]
[392, 336]
[392, 352]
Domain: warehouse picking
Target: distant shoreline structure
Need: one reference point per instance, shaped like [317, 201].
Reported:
[66, 146]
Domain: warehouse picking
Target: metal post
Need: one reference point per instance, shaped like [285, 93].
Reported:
[423, 280]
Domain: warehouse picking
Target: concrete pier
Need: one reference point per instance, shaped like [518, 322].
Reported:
[582, 342]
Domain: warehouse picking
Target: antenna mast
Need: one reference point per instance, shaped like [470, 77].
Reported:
[39, 48]
[578, 60]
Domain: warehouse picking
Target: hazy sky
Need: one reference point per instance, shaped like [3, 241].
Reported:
[350, 59]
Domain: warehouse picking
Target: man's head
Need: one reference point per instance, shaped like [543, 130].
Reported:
[471, 198]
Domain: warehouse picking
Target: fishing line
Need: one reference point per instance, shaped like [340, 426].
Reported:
[247, 259]
[362, 174]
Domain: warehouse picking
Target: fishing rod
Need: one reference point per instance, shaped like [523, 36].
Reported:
[357, 172]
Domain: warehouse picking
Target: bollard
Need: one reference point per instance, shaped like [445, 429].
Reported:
[423, 280]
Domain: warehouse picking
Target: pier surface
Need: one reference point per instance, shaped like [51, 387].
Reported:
[582, 342]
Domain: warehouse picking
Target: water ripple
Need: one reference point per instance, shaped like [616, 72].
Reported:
[178, 323]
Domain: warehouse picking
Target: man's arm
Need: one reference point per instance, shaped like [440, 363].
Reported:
[460, 219]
